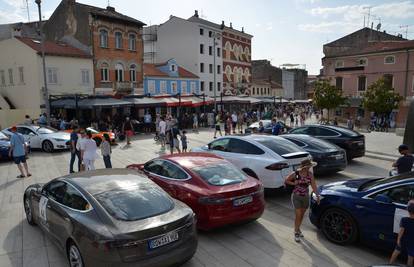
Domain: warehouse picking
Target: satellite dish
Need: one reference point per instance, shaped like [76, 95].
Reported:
[378, 26]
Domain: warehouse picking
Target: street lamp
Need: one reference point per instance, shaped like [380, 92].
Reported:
[217, 36]
[42, 45]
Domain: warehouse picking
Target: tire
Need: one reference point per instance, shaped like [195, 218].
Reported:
[28, 211]
[250, 173]
[98, 141]
[74, 255]
[47, 146]
[338, 226]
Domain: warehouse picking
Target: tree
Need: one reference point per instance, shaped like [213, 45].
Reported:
[381, 98]
[327, 96]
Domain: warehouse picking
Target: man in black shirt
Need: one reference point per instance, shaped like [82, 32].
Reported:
[404, 163]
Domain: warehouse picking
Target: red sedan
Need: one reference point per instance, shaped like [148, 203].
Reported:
[215, 189]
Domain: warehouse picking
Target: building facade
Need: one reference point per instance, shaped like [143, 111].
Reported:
[68, 71]
[294, 83]
[266, 89]
[169, 79]
[113, 39]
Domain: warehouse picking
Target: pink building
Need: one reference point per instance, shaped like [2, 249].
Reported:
[353, 69]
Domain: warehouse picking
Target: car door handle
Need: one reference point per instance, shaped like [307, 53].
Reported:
[48, 206]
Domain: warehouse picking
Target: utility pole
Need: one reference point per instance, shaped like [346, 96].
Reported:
[406, 30]
[369, 14]
[42, 44]
[216, 36]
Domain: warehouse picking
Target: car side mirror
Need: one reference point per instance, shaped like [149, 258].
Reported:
[209, 146]
[384, 199]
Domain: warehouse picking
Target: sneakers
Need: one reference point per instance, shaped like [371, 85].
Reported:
[297, 237]
[300, 234]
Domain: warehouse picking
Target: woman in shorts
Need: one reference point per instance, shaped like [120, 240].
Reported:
[301, 179]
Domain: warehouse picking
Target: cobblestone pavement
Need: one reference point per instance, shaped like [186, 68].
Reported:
[267, 242]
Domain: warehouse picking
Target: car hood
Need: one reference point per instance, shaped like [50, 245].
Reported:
[350, 186]
[58, 135]
[200, 149]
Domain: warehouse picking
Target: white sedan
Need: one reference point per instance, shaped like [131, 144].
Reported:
[45, 138]
[268, 158]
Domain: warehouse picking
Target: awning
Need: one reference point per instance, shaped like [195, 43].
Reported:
[232, 100]
[102, 102]
[146, 102]
[175, 102]
[253, 100]
[198, 101]
[67, 103]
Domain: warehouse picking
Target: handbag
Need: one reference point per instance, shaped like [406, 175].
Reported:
[288, 187]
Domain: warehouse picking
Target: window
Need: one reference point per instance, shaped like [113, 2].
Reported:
[52, 76]
[338, 82]
[228, 73]
[389, 80]
[163, 87]
[85, 77]
[210, 87]
[220, 145]
[3, 78]
[133, 73]
[339, 64]
[220, 174]
[210, 68]
[280, 147]
[201, 49]
[21, 75]
[103, 38]
[261, 91]
[118, 40]
[243, 147]
[132, 42]
[210, 33]
[73, 199]
[399, 194]
[389, 60]
[172, 171]
[202, 67]
[173, 68]
[174, 87]
[362, 62]
[193, 87]
[104, 72]
[268, 91]
[55, 191]
[119, 72]
[183, 86]
[201, 31]
[318, 131]
[210, 50]
[11, 76]
[218, 69]
[362, 83]
[219, 86]
[253, 91]
[302, 130]
[218, 52]
[151, 87]
[202, 86]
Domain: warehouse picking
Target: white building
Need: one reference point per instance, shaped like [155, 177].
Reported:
[288, 83]
[191, 43]
[69, 71]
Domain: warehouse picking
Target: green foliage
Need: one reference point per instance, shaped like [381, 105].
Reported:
[327, 96]
[381, 98]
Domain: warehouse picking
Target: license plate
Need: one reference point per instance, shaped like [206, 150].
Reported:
[242, 201]
[340, 156]
[163, 240]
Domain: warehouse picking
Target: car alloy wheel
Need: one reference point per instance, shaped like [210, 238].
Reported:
[47, 146]
[28, 211]
[74, 256]
[338, 226]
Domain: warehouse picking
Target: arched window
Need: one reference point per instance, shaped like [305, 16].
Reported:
[240, 74]
[132, 42]
[235, 75]
[133, 73]
[104, 72]
[227, 47]
[247, 74]
[247, 53]
[228, 73]
[118, 40]
[103, 38]
[236, 51]
[119, 72]
[241, 52]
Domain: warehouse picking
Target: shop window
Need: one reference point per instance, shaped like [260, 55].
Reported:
[362, 83]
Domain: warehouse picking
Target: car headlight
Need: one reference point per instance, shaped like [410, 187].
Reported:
[59, 139]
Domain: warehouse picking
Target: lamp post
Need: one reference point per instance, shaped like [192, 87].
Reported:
[216, 36]
[42, 45]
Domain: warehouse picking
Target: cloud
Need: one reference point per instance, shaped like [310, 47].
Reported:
[269, 26]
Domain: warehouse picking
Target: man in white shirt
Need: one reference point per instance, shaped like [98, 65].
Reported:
[88, 152]
[234, 121]
[163, 128]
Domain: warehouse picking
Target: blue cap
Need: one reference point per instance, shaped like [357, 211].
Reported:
[402, 147]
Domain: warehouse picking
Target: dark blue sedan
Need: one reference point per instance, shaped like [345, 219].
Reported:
[368, 210]
[5, 146]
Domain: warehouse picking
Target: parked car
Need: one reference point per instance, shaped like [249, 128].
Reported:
[112, 217]
[352, 141]
[265, 157]
[40, 137]
[215, 189]
[330, 157]
[267, 124]
[98, 136]
[366, 209]
[5, 146]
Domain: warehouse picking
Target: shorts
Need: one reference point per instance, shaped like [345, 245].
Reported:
[19, 159]
[218, 128]
[129, 133]
[300, 202]
[405, 249]
[234, 124]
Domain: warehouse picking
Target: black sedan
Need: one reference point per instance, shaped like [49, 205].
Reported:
[112, 218]
[352, 141]
[267, 125]
[330, 158]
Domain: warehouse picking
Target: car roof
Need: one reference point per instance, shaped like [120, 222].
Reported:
[194, 159]
[333, 127]
[257, 137]
[103, 180]
[394, 180]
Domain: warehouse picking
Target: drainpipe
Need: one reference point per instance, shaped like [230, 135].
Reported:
[407, 64]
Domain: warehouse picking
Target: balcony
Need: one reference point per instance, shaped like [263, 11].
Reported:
[124, 86]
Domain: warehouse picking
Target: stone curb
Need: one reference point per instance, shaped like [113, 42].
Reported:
[380, 156]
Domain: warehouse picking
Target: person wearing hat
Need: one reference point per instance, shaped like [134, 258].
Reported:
[404, 163]
[301, 179]
[405, 239]
[18, 150]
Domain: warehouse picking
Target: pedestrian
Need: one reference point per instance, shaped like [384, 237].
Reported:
[127, 129]
[88, 152]
[240, 121]
[405, 239]
[276, 127]
[106, 151]
[292, 119]
[296, 120]
[147, 122]
[74, 152]
[18, 150]
[74, 123]
[404, 163]
[184, 141]
[234, 120]
[27, 120]
[62, 124]
[301, 179]
[261, 127]
[195, 122]
[174, 142]
[228, 125]
[42, 121]
[217, 125]
[350, 123]
[335, 122]
[162, 126]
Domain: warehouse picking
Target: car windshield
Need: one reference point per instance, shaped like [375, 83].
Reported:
[46, 130]
[135, 203]
[280, 146]
[92, 130]
[3, 136]
[220, 174]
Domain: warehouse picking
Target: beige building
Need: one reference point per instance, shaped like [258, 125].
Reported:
[263, 88]
[68, 70]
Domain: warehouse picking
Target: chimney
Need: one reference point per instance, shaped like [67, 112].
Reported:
[196, 13]
[231, 25]
[242, 29]
[110, 8]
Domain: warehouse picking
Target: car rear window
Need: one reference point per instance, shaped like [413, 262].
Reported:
[318, 143]
[135, 203]
[280, 146]
[347, 131]
[220, 174]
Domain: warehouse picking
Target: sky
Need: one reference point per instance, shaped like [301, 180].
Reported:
[285, 31]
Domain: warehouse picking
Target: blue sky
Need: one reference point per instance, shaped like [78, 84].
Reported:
[284, 31]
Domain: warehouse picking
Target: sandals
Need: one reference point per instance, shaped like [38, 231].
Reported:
[20, 176]
[29, 174]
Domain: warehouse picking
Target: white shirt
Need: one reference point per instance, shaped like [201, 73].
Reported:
[88, 146]
[163, 126]
[80, 140]
[234, 117]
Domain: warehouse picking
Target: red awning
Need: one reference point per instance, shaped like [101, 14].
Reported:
[175, 102]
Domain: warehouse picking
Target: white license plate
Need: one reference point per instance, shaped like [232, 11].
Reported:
[340, 156]
[242, 201]
[163, 240]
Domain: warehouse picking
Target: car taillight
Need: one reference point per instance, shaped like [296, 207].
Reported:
[110, 244]
[211, 200]
[277, 166]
